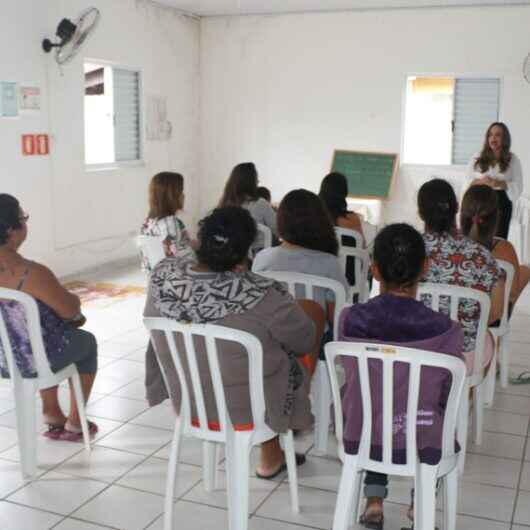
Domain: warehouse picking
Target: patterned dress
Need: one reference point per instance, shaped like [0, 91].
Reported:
[458, 260]
[53, 334]
[177, 241]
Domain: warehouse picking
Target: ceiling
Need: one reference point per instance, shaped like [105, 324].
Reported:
[261, 7]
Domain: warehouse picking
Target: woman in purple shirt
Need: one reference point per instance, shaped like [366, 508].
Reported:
[396, 317]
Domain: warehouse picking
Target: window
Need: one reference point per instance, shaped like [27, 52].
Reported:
[446, 118]
[112, 114]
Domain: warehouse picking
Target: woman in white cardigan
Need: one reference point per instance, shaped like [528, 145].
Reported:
[497, 167]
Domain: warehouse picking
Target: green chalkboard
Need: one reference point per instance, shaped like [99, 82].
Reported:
[369, 174]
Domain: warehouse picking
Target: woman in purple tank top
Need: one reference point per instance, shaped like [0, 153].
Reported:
[60, 318]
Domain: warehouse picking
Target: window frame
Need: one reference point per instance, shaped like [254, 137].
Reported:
[112, 166]
[455, 167]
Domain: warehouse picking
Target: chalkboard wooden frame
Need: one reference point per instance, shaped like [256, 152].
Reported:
[394, 169]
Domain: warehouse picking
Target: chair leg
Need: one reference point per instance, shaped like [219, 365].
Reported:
[80, 400]
[450, 490]
[504, 361]
[490, 381]
[478, 412]
[26, 429]
[290, 458]
[322, 404]
[462, 428]
[349, 488]
[425, 501]
[238, 445]
[209, 465]
[171, 482]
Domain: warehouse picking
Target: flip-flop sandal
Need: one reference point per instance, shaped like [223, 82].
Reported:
[54, 432]
[73, 436]
[376, 521]
[522, 379]
[300, 459]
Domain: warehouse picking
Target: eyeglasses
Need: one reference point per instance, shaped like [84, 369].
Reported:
[24, 218]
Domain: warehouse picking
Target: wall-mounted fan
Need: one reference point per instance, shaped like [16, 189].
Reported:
[526, 68]
[72, 35]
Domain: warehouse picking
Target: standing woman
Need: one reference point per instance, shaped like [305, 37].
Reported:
[496, 166]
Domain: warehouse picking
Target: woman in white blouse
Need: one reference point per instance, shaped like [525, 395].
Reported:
[497, 167]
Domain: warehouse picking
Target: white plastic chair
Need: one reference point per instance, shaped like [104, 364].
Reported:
[25, 389]
[522, 214]
[264, 239]
[361, 259]
[152, 248]
[501, 334]
[425, 476]
[238, 444]
[348, 232]
[475, 381]
[320, 383]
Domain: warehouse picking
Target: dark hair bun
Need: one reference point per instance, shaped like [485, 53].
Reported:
[225, 236]
[437, 205]
[399, 252]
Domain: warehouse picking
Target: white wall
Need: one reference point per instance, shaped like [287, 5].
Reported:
[80, 219]
[285, 91]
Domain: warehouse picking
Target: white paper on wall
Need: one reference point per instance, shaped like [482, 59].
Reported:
[29, 98]
[8, 99]
[157, 125]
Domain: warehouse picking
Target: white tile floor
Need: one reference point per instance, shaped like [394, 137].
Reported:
[120, 484]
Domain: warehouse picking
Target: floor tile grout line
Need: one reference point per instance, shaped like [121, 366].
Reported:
[518, 490]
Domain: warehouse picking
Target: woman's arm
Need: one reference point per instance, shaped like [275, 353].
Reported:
[504, 250]
[497, 301]
[515, 184]
[43, 285]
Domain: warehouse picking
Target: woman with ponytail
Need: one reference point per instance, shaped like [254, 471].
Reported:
[455, 259]
[396, 317]
[479, 219]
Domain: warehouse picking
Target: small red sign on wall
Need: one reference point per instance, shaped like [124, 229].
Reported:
[28, 144]
[43, 145]
[35, 144]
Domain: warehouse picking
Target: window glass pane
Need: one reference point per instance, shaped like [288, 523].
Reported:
[428, 120]
[99, 112]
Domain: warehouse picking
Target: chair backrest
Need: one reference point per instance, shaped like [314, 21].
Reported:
[360, 257]
[509, 269]
[266, 235]
[348, 232]
[457, 295]
[310, 282]
[152, 248]
[361, 260]
[211, 333]
[263, 240]
[388, 356]
[32, 324]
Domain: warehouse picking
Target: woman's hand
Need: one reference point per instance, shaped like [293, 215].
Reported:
[498, 184]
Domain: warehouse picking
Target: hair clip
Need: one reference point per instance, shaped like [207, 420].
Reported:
[222, 240]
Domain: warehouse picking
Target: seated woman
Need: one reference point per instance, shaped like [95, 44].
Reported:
[220, 289]
[308, 245]
[60, 318]
[333, 192]
[395, 317]
[241, 189]
[478, 220]
[166, 198]
[458, 260]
